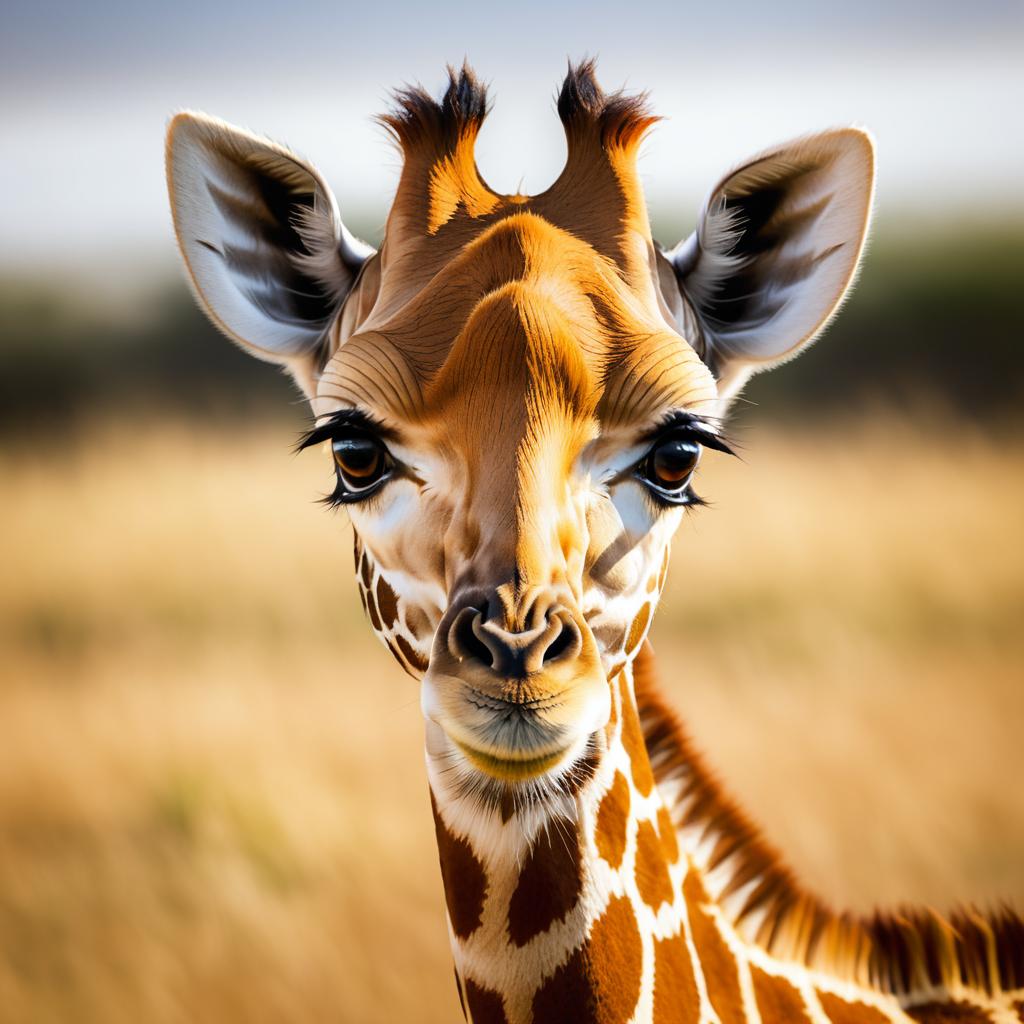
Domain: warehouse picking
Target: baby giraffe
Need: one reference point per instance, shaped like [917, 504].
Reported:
[516, 391]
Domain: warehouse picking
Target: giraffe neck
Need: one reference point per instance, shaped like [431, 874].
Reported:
[623, 900]
[562, 910]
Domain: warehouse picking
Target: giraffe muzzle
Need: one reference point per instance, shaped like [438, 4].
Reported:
[516, 689]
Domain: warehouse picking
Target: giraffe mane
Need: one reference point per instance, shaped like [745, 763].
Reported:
[901, 951]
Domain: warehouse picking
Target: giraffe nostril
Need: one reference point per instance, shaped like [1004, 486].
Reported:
[464, 642]
[566, 644]
[553, 636]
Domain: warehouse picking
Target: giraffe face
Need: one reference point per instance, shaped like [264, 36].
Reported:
[516, 389]
[514, 659]
[514, 500]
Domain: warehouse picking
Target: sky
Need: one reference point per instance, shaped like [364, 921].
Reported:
[88, 89]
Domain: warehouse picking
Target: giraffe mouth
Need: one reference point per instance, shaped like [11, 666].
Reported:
[510, 768]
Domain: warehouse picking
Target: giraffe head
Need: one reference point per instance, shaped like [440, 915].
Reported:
[516, 389]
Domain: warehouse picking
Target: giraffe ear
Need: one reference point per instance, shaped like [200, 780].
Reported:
[775, 251]
[266, 251]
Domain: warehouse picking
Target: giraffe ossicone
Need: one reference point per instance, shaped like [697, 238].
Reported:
[516, 391]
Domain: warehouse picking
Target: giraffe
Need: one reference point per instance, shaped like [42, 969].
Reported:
[516, 392]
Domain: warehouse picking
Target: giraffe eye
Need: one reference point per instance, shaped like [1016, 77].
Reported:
[668, 469]
[361, 462]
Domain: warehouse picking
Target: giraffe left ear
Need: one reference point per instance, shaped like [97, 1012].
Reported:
[266, 250]
[775, 251]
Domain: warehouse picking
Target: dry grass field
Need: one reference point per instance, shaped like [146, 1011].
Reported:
[212, 800]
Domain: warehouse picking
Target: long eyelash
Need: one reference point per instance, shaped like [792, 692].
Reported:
[337, 497]
[693, 428]
[353, 419]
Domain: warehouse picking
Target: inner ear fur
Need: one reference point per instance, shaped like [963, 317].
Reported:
[776, 249]
[266, 250]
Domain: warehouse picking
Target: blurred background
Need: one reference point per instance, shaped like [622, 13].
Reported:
[212, 800]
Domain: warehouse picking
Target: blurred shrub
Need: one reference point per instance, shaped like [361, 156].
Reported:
[63, 359]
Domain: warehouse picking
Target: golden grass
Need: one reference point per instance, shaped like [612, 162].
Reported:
[212, 800]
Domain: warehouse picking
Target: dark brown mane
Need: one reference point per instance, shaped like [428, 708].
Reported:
[898, 952]
[417, 118]
[618, 120]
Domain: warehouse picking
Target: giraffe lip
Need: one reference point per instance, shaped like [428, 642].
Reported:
[511, 766]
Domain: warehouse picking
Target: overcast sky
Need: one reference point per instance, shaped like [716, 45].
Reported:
[88, 88]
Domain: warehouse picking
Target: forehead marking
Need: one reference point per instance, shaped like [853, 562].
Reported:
[635, 360]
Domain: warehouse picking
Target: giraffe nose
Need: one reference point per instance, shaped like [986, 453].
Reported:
[550, 634]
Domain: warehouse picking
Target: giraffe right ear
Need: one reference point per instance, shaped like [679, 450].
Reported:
[775, 250]
[266, 251]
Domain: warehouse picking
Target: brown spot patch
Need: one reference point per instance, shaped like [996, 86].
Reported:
[616, 954]
[416, 621]
[676, 1000]
[411, 654]
[777, 1000]
[465, 883]
[387, 602]
[549, 882]
[362, 596]
[718, 964]
[393, 648]
[1019, 1007]
[667, 832]
[365, 570]
[633, 741]
[612, 816]
[485, 1006]
[371, 607]
[652, 877]
[568, 995]
[841, 1012]
[600, 982]
[952, 1012]
[638, 628]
